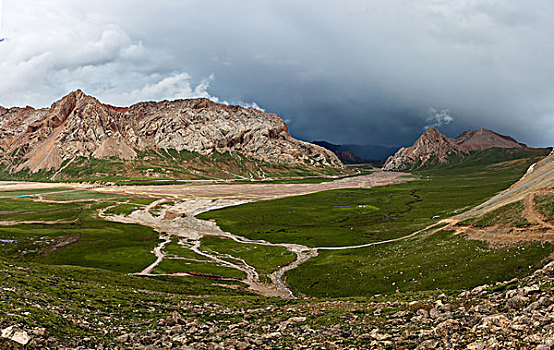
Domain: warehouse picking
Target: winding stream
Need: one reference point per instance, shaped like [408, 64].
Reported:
[179, 220]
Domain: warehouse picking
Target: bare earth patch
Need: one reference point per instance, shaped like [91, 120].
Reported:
[21, 185]
[499, 234]
[257, 191]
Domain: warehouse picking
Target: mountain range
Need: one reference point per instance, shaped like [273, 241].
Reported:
[78, 129]
[435, 149]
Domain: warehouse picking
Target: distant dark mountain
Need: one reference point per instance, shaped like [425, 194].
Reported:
[349, 157]
[365, 153]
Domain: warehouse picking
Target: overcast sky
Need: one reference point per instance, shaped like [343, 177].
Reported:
[349, 71]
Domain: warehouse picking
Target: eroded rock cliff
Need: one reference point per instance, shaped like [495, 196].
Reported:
[79, 125]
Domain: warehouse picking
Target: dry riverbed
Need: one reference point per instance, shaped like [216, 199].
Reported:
[178, 220]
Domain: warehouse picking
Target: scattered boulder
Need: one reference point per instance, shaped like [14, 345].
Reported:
[174, 319]
[14, 338]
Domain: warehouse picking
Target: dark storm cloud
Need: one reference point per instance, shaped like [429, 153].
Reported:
[348, 72]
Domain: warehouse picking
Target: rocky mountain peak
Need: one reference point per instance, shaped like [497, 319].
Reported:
[430, 147]
[79, 125]
[431, 138]
[433, 147]
[432, 132]
[479, 140]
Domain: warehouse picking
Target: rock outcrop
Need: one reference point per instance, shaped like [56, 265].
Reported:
[79, 125]
[480, 140]
[434, 148]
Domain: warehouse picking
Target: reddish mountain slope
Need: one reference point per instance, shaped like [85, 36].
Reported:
[433, 148]
[79, 125]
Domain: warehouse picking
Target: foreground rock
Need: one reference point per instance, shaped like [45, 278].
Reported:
[13, 338]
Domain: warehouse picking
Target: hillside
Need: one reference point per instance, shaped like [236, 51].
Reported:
[157, 314]
[523, 212]
[539, 177]
[433, 149]
[80, 136]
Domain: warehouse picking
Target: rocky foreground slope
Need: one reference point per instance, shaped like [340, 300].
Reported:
[516, 314]
[434, 148]
[79, 125]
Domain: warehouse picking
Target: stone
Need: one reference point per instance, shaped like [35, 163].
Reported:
[16, 337]
[124, 338]
[446, 327]
[296, 319]
[427, 345]
[330, 346]
[530, 289]
[39, 332]
[174, 319]
[517, 302]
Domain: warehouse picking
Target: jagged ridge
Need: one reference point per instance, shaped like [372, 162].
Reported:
[434, 148]
[79, 125]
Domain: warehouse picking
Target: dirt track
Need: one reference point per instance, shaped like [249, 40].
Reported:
[531, 214]
[540, 230]
[539, 177]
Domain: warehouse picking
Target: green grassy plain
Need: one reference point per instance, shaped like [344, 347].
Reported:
[265, 259]
[206, 268]
[27, 210]
[359, 216]
[127, 208]
[174, 249]
[81, 195]
[32, 191]
[51, 273]
[330, 218]
[347, 217]
[83, 240]
[438, 261]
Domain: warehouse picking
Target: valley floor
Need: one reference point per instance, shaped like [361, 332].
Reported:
[369, 261]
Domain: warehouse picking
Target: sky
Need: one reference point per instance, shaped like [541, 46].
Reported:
[349, 71]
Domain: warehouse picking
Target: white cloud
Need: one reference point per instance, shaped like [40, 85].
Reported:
[359, 70]
[55, 49]
[436, 118]
[172, 87]
[67, 50]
